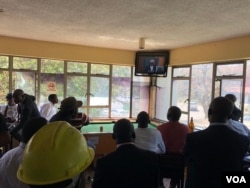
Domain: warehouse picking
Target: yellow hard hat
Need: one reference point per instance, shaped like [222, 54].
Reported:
[55, 153]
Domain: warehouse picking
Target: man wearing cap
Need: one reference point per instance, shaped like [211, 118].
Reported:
[10, 111]
[68, 110]
[128, 166]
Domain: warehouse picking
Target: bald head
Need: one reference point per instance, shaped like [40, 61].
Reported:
[123, 131]
[220, 110]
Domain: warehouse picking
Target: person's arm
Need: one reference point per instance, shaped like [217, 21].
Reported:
[161, 144]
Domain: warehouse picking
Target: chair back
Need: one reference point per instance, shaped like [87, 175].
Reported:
[172, 166]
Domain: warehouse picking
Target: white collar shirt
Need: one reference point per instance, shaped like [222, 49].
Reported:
[9, 164]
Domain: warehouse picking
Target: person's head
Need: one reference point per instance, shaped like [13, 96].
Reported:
[55, 157]
[70, 105]
[10, 99]
[152, 62]
[123, 131]
[143, 119]
[231, 97]
[174, 113]
[18, 96]
[53, 98]
[31, 126]
[220, 110]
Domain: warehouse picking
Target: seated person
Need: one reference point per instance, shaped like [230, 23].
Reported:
[237, 113]
[10, 111]
[11, 160]
[173, 132]
[214, 150]
[148, 138]
[60, 163]
[128, 166]
[49, 109]
[69, 111]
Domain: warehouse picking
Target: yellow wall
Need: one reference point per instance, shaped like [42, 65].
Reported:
[237, 48]
[32, 48]
[232, 49]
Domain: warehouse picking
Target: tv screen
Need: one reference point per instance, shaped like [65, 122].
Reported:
[153, 64]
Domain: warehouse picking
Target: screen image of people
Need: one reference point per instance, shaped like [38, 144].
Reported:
[153, 65]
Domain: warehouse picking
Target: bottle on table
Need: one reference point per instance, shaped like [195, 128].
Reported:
[191, 125]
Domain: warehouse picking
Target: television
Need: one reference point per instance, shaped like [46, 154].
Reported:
[152, 64]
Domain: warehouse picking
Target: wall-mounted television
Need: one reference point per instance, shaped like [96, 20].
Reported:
[154, 64]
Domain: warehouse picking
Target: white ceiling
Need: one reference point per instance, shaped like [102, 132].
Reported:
[166, 24]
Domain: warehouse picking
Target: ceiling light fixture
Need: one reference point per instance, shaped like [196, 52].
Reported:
[141, 43]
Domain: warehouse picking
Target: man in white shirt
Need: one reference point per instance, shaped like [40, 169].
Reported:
[10, 111]
[49, 109]
[148, 138]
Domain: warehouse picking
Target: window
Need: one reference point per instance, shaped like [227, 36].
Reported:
[121, 87]
[140, 95]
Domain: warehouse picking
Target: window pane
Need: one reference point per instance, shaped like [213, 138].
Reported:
[121, 91]
[140, 93]
[181, 72]
[121, 71]
[180, 94]
[230, 70]
[25, 81]
[98, 112]
[163, 91]
[52, 66]
[51, 84]
[24, 63]
[4, 62]
[201, 90]
[76, 67]
[4, 89]
[99, 91]
[77, 87]
[100, 69]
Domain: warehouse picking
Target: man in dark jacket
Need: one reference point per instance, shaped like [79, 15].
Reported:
[218, 149]
[236, 113]
[27, 110]
[128, 166]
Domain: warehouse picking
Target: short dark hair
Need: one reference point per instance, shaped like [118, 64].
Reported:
[51, 97]
[220, 109]
[9, 96]
[174, 113]
[123, 131]
[31, 126]
[142, 119]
